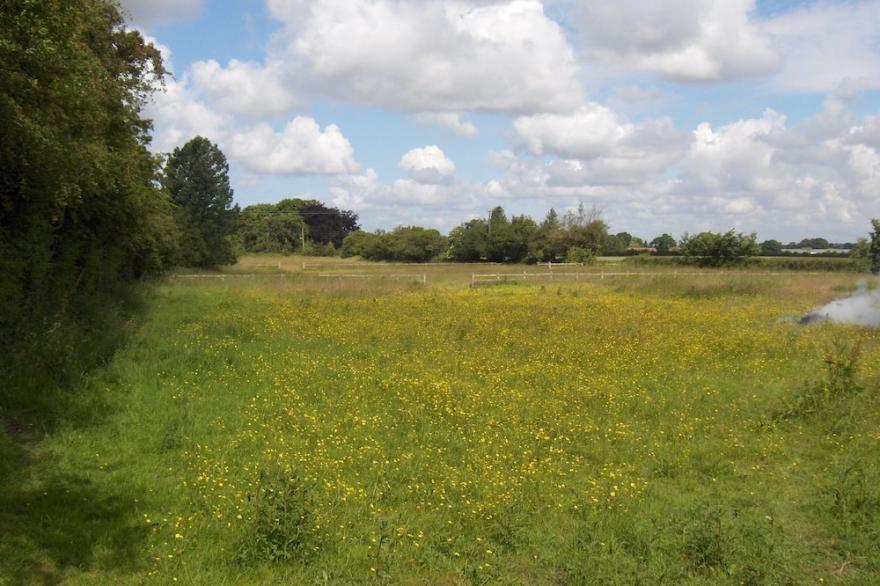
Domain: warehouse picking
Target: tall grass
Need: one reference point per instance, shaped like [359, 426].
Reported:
[286, 430]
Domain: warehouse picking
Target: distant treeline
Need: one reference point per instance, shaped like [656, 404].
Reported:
[309, 227]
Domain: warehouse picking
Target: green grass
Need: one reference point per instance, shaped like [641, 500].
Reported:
[293, 430]
[757, 263]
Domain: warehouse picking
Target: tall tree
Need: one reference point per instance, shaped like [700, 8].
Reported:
[664, 243]
[469, 241]
[585, 229]
[325, 224]
[549, 242]
[500, 236]
[771, 248]
[79, 211]
[271, 228]
[197, 178]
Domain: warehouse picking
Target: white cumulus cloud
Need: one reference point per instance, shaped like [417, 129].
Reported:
[300, 148]
[428, 165]
[243, 88]
[430, 55]
[591, 131]
[683, 40]
[179, 116]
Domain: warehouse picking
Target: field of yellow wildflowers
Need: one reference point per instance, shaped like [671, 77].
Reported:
[629, 432]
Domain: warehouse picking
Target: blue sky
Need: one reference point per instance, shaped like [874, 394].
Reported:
[681, 115]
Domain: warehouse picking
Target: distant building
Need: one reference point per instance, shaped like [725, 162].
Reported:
[641, 250]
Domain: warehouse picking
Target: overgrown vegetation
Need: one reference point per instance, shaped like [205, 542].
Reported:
[80, 213]
[613, 432]
[281, 526]
[285, 430]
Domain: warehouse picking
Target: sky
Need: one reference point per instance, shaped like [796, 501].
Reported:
[670, 116]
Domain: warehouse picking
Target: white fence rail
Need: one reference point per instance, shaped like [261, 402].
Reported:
[229, 275]
[478, 278]
[422, 278]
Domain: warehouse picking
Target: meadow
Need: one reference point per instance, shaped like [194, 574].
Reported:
[271, 424]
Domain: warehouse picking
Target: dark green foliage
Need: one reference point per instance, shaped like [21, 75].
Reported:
[549, 243]
[325, 224]
[469, 242]
[813, 243]
[679, 538]
[621, 243]
[627, 239]
[851, 503]
[793, 263]
[874, 248]
[717, 249]
[615, 246]
[405, 243]
[860, 257]
[197, 178]
[359, 243]
[580, 255]
[585, 229]
[664, 243]
[291, 225]
[281, 523]
[318, 249]
[271, 228]
[520, 239]
[80, 214]
[771, 248]
[508, 240]
[414, 244]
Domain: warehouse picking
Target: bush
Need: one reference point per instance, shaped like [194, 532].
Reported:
[317, 249]
[580, 255]
[404, 243]
[716, 249]
[281, 524]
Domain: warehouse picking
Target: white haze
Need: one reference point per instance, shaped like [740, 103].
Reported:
[861, 308]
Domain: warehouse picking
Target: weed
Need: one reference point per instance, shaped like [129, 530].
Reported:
[445, 436]
[281, 523]
[841, 362]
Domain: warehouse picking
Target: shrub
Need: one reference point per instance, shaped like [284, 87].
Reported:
[716, 249]
[840, 381]
[281, 524]
[580, 255]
